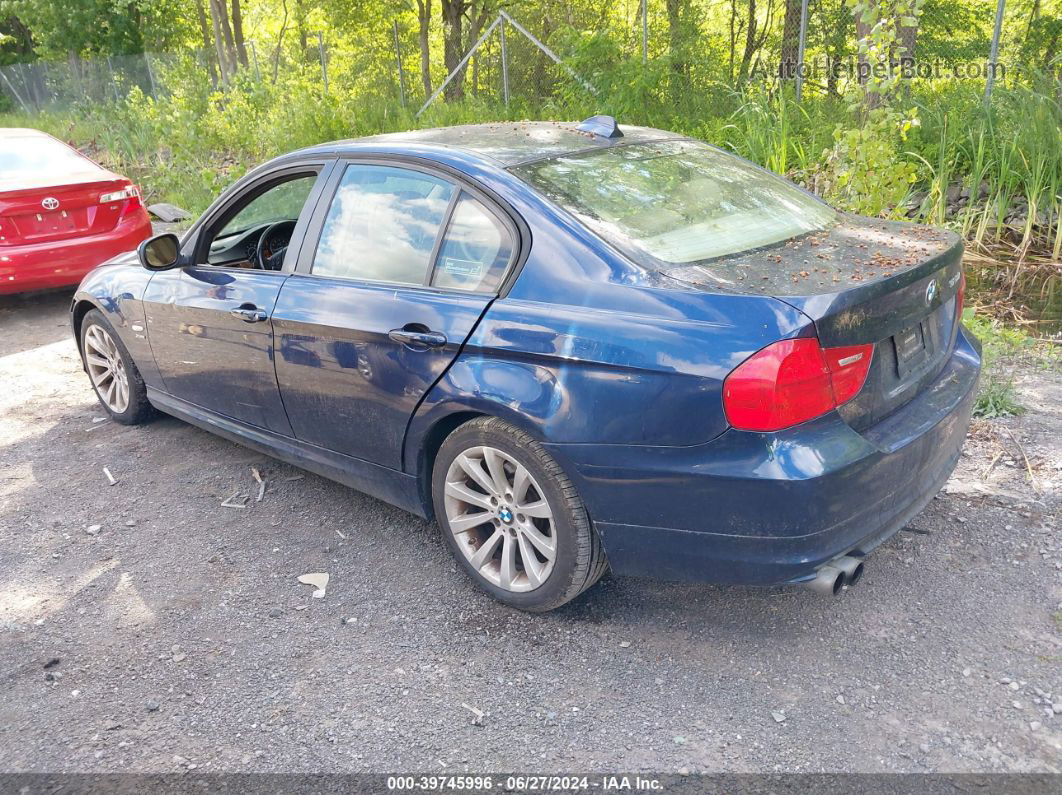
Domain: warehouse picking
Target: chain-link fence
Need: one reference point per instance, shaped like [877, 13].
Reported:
[813, 43]
[57, 85]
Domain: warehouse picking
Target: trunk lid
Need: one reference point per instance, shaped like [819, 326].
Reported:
[50, 210]
[862, 281]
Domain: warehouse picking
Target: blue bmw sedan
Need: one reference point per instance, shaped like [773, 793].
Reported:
[575, 346]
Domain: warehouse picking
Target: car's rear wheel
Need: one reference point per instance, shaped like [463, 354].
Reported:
[111, 370]
[512, 518]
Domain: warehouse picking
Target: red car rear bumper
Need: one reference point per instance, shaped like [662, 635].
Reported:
[63, 263]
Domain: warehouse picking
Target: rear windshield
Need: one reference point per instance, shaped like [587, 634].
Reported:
[677, 202]
[36, 155]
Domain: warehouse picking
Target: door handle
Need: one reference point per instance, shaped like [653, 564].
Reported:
[249, 313]
[417, 337]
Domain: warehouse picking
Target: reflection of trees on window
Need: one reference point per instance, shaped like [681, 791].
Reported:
[382, 225]
[475, 251]
[678, 201]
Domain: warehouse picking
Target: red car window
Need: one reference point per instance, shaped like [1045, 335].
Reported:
[37, 155]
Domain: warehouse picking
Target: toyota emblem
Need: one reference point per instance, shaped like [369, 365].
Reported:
[931, 291]
[50, 203]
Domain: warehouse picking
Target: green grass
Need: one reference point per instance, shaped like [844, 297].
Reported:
[996, 398]
[998, 342]
[188, 146]
[1002, 348]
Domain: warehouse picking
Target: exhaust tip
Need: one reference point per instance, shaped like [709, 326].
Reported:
[827, 580]
[850, 566]
[856, 575]
[838, 583]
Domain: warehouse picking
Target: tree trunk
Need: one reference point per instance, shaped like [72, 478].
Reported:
[453, 51]
[226, 32]
[787, 68]
[907, 38]
[280, 41]
[237, 33]
[204, 31]
[476, 28]
[750, 43]
[538, 74]
[300, 29]
[836, 30]
[872, 99]
[674, 36]
[224, 64]
[733, 41]
[21, 38]
[424, 21]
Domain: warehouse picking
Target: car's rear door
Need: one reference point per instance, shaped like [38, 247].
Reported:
[209, 323]
[398, 266]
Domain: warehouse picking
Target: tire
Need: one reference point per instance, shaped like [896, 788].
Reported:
[517, 569]
[100, 343]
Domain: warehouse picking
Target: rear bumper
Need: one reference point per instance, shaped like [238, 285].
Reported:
[63, 263]
[763, 509]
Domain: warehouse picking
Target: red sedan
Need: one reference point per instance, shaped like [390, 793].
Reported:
[61, 214]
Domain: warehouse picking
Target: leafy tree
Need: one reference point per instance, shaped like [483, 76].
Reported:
[16, 43]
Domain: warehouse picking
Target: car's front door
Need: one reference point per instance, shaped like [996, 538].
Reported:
[405, 263]
[209, 323]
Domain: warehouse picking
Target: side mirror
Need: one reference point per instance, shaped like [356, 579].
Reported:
[159, 253]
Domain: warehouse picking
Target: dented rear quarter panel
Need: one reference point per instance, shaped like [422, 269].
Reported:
[614, 376]
[588, 347]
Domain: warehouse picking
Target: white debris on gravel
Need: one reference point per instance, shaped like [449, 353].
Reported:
[477, 714]
[319, 580]
[236, 500]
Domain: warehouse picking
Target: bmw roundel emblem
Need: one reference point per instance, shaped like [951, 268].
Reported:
[505, 515]
[931, 291]
[50, 203]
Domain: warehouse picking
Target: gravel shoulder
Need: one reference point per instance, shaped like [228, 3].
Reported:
[145, 627]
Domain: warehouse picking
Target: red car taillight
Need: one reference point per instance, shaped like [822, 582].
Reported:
[792, 381]
[130, 194]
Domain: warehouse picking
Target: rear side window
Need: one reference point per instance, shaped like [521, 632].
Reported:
[382, 225]
[475, 251]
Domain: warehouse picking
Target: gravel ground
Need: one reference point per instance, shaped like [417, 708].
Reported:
[145, 627]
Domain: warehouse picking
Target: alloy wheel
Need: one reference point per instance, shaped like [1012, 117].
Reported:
[106, 369]
[500, 518]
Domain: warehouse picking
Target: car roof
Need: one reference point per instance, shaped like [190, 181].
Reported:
[504, 143]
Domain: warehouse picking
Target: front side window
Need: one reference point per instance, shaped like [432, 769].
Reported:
[677, 202]
[382, 225]
[283, 202]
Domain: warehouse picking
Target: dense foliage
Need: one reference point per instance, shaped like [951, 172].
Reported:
[242, 81]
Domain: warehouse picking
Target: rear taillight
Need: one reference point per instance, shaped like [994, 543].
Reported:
[848, 370]
[793, 381]
[130, 194]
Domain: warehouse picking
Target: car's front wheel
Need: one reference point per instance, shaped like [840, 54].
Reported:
[512, 518]
[113, 373]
